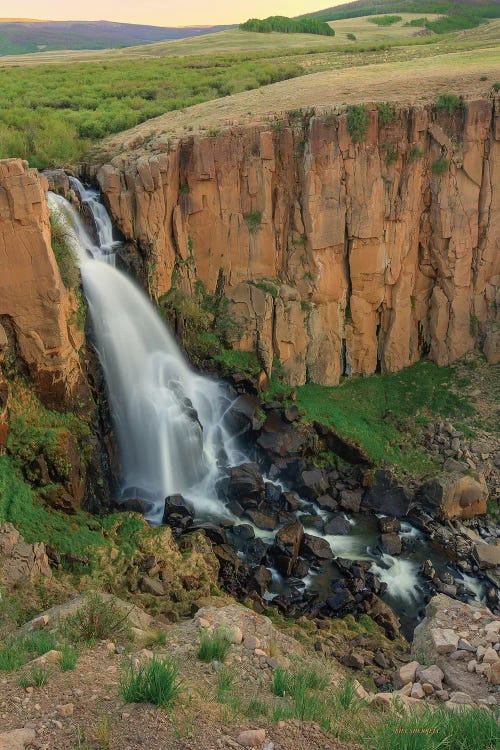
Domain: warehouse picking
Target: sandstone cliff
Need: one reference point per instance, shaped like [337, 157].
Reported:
[35, 308]
[338, 257]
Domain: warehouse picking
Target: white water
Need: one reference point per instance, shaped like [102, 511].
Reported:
[169, 421]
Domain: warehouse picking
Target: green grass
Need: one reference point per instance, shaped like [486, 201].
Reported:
[69, 658]
[357, 122]
[213, 646]
[287, 25]
[156, 681]
[384, 414]
[440, 166]
[16, 651]
[386, 20]
[451, 103]
[63, 253]
[96, 620]
[436, 729]
[254, 221]
[39, 676]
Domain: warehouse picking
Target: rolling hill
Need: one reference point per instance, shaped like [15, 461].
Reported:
[374, 7]
[21, 37]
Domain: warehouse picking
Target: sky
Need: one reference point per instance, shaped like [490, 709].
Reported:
[160, 12]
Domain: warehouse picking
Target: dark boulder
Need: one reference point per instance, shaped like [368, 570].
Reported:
[260, 579]
[134, 505]
[264, 519]
[351, 500]
[290, 501]
[341, 601]
[240, 416]
[313, 521]
[386, 496]
[326, 502]
[285, 550]
[244, 531]
[390, 543]
[313, 484]
[255, 551]
[315, 547]
[388, 525]
[178, 512]
[338, 525]
[213, 532]
[245, 481]
[291, 414]
[272, 493]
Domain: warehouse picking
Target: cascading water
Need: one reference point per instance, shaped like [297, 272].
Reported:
[169, 420]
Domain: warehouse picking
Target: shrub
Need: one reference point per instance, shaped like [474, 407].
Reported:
[391, 154]
[357, 122]
[449, 102]
[496, 86]
[254, 221]
[69, 658]
[352, 37]
[213, 646]
[385, 20]
[440, 166]
[386, 114]
[156, 682]
[11, 658]
[96, 620]
[415, 153]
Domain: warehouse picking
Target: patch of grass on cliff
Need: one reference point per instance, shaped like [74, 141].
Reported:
[384, 414]
[20, 506]
[37, 431]
[63, 253]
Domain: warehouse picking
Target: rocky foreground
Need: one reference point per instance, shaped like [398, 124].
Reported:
[49, 701]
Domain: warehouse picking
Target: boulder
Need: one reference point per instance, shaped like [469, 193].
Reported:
[386, 496]
[444, 640]
[455, 496]
[388, 525]
[350, 500]
[286, 547]
[263, 520]
[391, 544]
[17, 739]
[245, 481]
[326, 502]
[432, 675]
[178, 512]
[20, 561]
[405, 674]
[152, 586]
[313, 484]
[340, 601]
[215, 533]
[316, 547]
[487, 555]
[338, 525]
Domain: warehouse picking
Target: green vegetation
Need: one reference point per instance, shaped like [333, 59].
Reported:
[69, 658]
[63, 253]
[39, 676]
[496, 86]
[386, 20]
[415, 153]
[440, 166]
[254, 221]
[357, 122]
[288, 26]
[391, 154]
[449, 102]
[96, 620]
[156, 681]
[436, 729]
[50, 113]
[352, 37]
[386, 114]
[384, 414]
[213, 645]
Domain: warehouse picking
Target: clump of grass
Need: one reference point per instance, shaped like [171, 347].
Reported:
[352, 37]
[357, 122]
[415, 153]
[467, 729]
[214, 646]
[61, 246]
[391, 154]
[39, 642]
[156, 681]
[69, 658]
[103, 732]
[449, 102]
[386, 114]
[496, 86]
[39, 676]
[440, 166]
[96, 620]
[281, 683]
[256, 708]
[345, 694]
[254, 221]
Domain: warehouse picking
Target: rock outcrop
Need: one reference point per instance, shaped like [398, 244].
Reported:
[19, 561]
[35, 307]
[338, 257]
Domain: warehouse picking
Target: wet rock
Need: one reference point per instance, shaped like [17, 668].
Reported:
[386, 496]
[255, 551]
[134, 505]
[286, 547]
[350, 500]
[391, 544]
[178, 512]
[260, 580]
[291, 414]
[215, 533]
[338, 525]
[388, 525]
[245, 481]
[313, 484]
[326, 502]
[341, 600]
[316, 547]
[263, 520]
[244, 531]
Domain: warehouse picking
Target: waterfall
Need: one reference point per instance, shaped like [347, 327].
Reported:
[169, 421]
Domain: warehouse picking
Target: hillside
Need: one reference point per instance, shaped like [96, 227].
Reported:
[21, 37]
[374, 7]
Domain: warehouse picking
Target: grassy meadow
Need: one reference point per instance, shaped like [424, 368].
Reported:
[55, 105]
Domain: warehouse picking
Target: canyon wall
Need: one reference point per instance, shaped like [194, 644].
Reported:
[36, 311]
[338, 257]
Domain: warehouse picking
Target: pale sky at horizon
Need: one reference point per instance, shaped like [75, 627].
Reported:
[160, 12]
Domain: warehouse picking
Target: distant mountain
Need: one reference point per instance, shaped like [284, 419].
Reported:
[21, 37]
[374, 7]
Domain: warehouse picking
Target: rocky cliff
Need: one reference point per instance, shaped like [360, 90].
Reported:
[339, 257]
[36, 310]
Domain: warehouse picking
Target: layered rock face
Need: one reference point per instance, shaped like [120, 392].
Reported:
[338, 257]
[35, 308]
